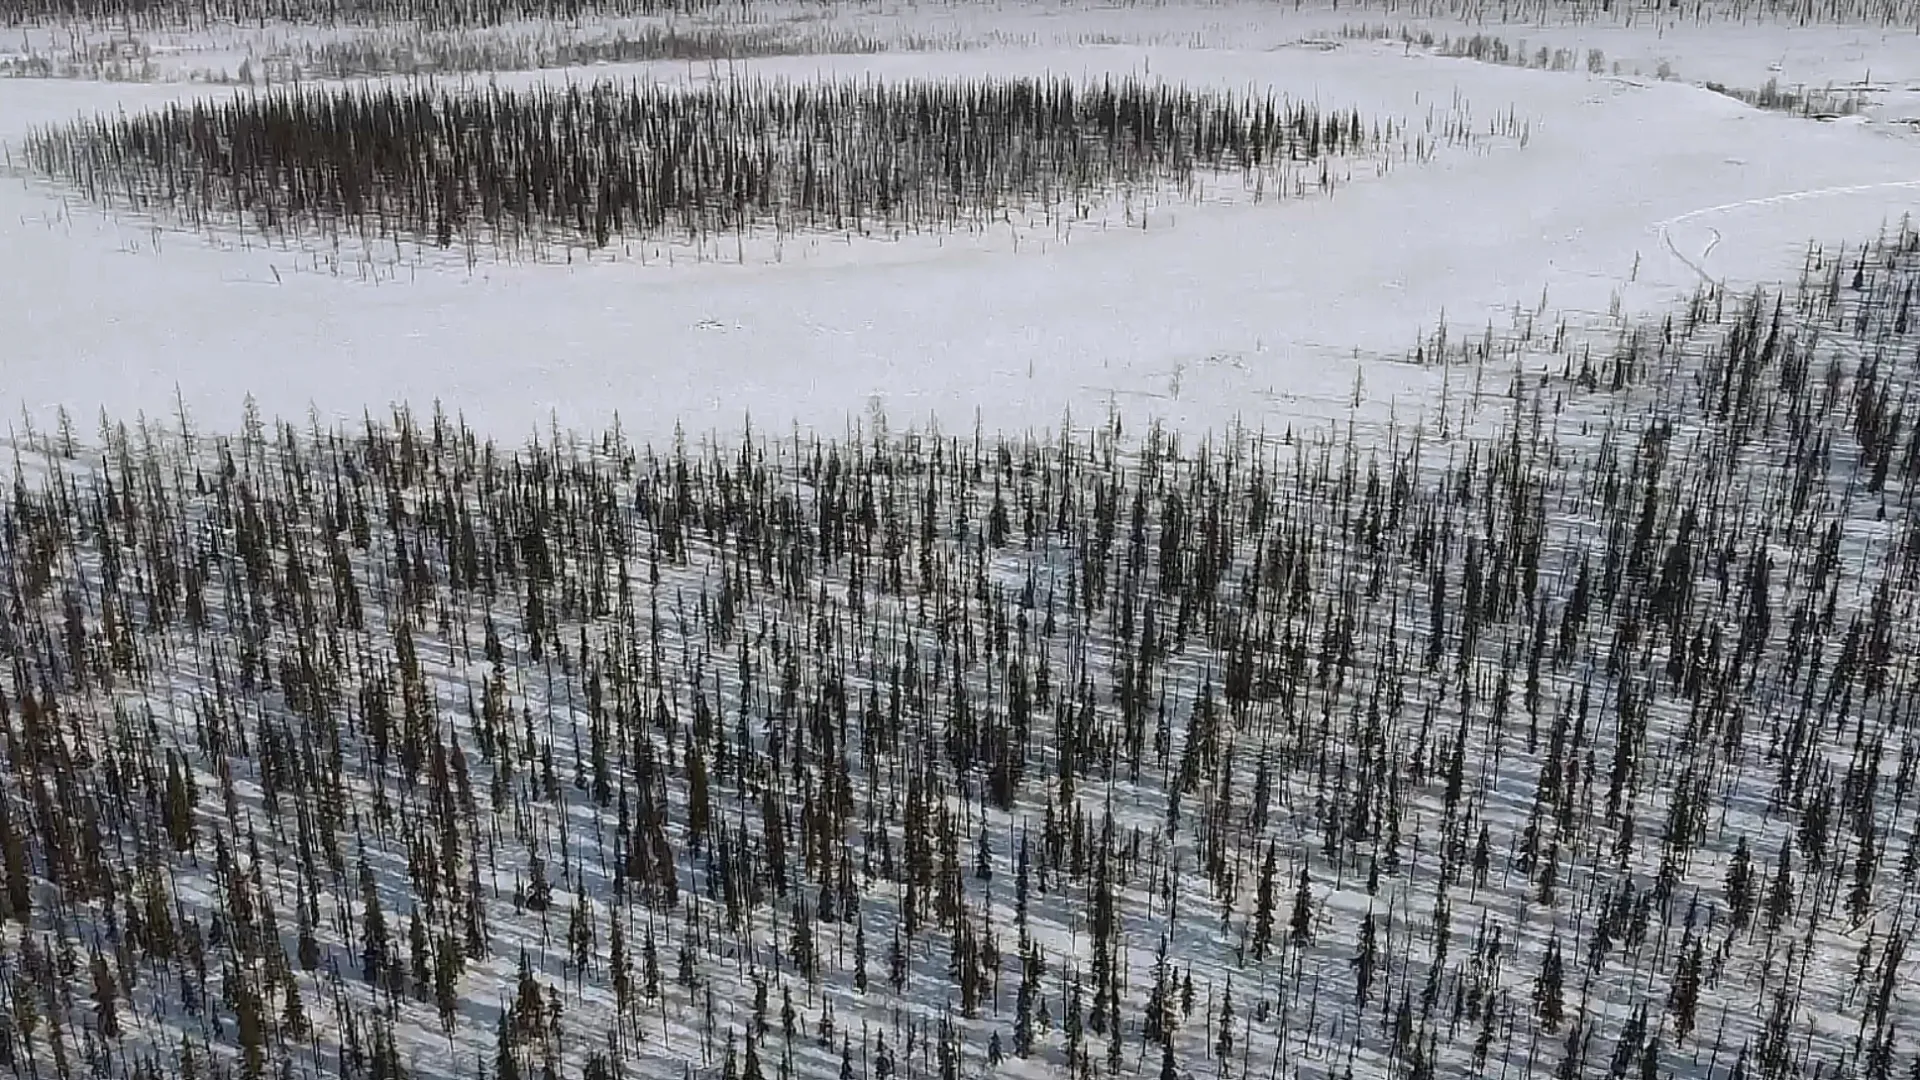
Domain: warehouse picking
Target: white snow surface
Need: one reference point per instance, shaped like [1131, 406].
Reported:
[1627, 190]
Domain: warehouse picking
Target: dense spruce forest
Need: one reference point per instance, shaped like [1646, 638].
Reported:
[1566, 729]
[468, 14]
[514, 170]
[412, 52]
[165, 14]
[295, 54]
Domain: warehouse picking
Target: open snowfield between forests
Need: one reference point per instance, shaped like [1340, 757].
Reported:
[1207, 314]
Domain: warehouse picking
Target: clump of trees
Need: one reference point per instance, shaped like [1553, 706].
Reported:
[605, 162]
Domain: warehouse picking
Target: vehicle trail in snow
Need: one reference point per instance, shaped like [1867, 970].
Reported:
[1667, 238]
[1665, 227]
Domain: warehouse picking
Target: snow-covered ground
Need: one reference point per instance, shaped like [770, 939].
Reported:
[1627, 188]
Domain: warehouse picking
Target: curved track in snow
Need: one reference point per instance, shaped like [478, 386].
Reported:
[1665, 227]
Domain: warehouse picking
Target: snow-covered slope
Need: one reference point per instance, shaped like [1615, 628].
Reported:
[1541, 706]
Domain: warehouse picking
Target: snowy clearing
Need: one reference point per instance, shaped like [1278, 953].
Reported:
[106, 313]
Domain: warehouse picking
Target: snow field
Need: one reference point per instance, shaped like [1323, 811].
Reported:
[1278, 336]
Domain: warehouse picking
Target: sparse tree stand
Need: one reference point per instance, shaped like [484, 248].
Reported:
[296, 667]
